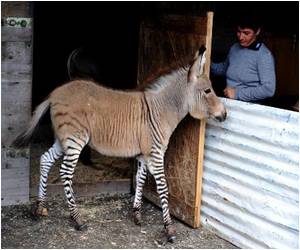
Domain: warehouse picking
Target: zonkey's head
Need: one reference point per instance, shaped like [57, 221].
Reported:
[202, 100]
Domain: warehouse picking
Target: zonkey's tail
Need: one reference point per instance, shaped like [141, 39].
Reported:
[24, 138]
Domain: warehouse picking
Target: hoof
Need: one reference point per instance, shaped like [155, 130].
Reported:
[82, 227]
[38, 212]
[137, 217]
[42, 211]
[171, 232]
[79, 226]
[171, 239]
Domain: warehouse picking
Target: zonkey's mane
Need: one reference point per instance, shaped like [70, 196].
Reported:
[155, 79]
[163, 81]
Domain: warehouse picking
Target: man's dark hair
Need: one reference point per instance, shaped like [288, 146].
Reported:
[247, 21]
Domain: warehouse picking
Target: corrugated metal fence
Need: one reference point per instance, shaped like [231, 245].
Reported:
[251, 176]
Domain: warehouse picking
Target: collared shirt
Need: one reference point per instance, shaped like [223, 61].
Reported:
[251, 71]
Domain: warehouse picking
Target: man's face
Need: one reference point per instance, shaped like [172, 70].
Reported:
[246, 36]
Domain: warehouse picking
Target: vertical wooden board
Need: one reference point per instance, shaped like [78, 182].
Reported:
[16, 84]
[199, 170]
[168, 39]
[286, 54]
[15, 8]
[11, 34]
[16, 52]
[16, 80]
[161, 45]
[13, 123]
[180, 169]
[14, 176]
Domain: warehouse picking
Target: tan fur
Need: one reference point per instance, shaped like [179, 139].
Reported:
[123, 123]
[115, 122]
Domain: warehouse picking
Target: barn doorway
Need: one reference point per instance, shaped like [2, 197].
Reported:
[111, 31]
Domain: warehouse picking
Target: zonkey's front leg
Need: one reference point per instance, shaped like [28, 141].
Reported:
[156, 168]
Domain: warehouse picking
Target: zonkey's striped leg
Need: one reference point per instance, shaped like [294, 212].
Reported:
[67, 169]
[156, 168]
[46, 162]
[140, 181]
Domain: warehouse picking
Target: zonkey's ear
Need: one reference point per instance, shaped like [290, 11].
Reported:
[197, 68]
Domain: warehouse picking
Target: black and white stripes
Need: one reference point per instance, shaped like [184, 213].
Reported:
[46, 162]
[154, 163]
[141, 177]
[73, 147]
[124, 124]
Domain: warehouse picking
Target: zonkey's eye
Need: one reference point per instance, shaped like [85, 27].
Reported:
[207, 91]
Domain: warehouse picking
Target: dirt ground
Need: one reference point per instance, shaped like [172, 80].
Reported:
[109, 222]
[109, 218]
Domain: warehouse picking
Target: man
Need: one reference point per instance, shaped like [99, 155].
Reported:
[249, 67]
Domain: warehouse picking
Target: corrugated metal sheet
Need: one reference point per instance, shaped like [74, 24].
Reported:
[251, 176]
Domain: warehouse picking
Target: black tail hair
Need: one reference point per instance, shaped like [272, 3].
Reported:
[24, 138]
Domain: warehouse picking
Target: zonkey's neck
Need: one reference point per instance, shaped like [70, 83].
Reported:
[169, 106]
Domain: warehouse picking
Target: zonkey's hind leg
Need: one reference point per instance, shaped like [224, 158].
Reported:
[46, 162]
[72, 152]
[140, 181]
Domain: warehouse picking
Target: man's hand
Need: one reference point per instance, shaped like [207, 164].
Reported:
[229, 92]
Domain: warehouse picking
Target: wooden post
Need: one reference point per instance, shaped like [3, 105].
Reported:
[199, 171]
[16, 85]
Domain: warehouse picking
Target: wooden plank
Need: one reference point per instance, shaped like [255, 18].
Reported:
[12, 125]
[15, 179]
[12, 34]
[180, 166]
[87, 189]
[14, 158]
[177, 47]
[181, 210]
[14, 176]
[16, 8]
[16, 68]
[199, 171]
[16, 92]
[13, 200]
[209, 30]
[16, 106]
[179, 24]
[16, 52]
[15, 77]
[16, 85]
[286, 53]
[166, 46]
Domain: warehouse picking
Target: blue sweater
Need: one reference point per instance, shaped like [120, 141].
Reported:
[251, 72]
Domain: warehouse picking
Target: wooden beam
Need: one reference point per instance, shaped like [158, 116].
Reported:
[16, 9]
[12, 34]
[199, 171]
[209, 28]
[120, 186]
[16, 85]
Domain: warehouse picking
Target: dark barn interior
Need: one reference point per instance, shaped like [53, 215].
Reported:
[111, 31]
